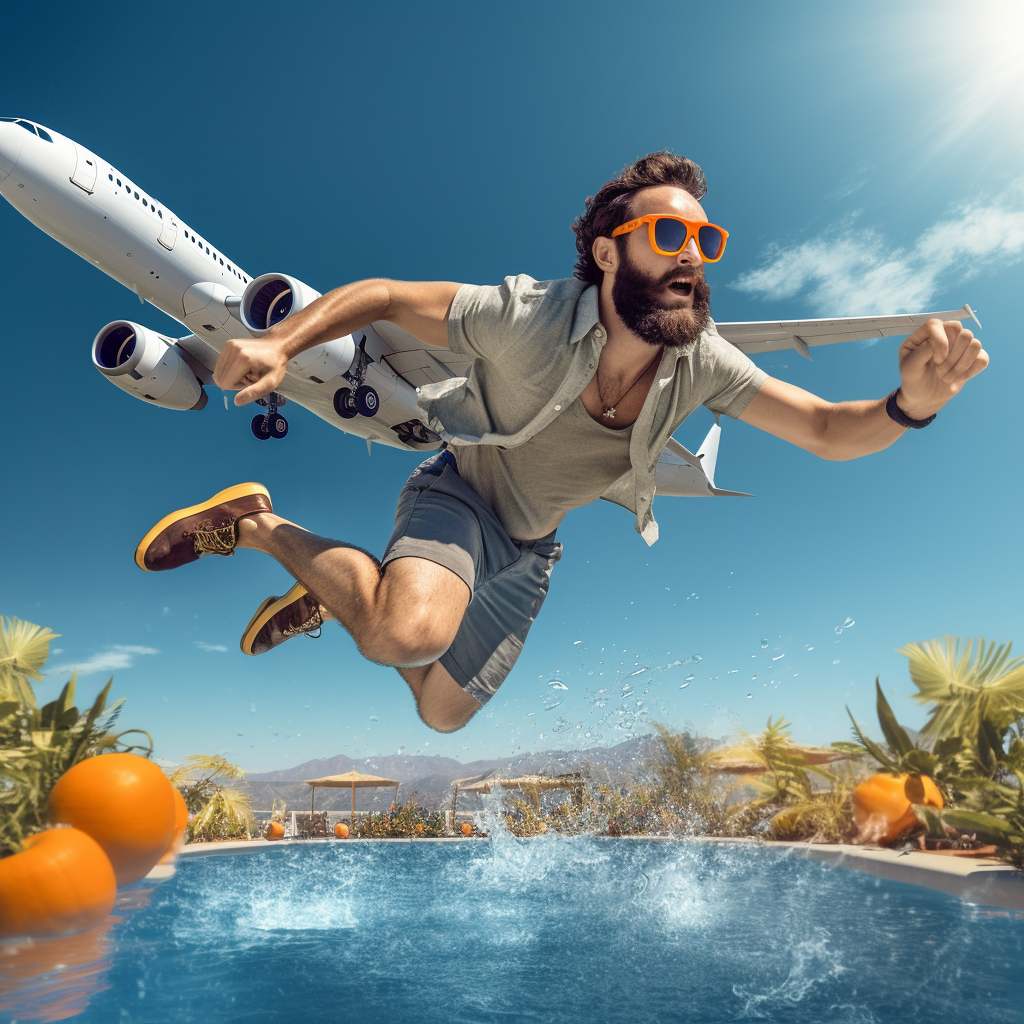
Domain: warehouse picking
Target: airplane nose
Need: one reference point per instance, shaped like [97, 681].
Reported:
[10, 146]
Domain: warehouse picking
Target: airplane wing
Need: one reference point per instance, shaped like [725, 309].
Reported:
[415, 360]
[774, 336]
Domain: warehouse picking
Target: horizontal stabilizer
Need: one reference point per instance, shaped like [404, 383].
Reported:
[719, 493]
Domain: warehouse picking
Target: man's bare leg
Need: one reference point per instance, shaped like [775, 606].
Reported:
[406, 617]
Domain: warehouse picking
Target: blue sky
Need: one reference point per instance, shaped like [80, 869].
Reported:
[865, 158]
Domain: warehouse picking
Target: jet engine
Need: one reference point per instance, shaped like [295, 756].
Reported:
[146, 365]
[272, 298]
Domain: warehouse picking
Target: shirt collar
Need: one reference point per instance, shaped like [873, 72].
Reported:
[586, 317]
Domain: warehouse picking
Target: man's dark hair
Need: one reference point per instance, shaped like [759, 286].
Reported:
[611, 206]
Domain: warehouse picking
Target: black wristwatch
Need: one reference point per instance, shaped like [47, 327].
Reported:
[897, 414]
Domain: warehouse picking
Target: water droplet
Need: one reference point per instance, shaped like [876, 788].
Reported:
[749, 696]
[579, 725]
[557, 684]
[731, 671]
[848, 623]
[697, 659]
[778, 656]
[252, 707]
[683, 686]
[690, 677]
[836, 662]
[561, 724]
[764, 643]
[808, 647]
[241, 734]
[551, 702]
[576, 642]
[754, 676]
[533, 725]
[374, 718]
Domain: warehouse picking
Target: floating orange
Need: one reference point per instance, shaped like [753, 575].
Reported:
[467, 829]
[275, 830]
[180, 824]
[341, 830]
[126, 804]
[883, 805]
[61, 882]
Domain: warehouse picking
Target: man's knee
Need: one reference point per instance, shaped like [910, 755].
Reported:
[414, 637]
[446, 719]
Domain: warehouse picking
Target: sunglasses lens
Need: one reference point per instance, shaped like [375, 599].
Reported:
[711, 242]
[669, 234]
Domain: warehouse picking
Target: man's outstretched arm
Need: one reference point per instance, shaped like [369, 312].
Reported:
[935, 362]
[257, 366]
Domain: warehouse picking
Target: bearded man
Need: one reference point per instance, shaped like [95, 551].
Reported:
[575, 388]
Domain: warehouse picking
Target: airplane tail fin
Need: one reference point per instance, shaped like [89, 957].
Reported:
[718, 492]
[708, 454]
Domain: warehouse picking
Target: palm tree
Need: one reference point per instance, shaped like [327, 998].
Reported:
[24, 648]
[976, 694]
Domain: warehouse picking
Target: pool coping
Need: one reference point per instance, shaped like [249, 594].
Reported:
[983, 881]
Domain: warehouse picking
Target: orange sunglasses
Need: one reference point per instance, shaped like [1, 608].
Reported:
[670, 235]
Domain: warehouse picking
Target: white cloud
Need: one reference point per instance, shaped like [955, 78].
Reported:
[209, 647]
[113, 659]
[851, 272]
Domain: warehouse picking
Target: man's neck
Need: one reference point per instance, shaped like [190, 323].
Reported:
[624, 354]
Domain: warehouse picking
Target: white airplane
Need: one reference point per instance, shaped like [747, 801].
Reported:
[365, 383]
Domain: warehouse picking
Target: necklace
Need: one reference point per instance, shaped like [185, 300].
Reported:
[609, 410]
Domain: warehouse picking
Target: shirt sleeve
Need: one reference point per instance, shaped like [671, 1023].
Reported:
[485, 321]
[732, 377]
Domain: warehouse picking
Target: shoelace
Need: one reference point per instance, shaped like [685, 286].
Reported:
[314, 622]
[213, 541]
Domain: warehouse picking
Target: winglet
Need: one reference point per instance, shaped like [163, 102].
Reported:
[974, 316]
[708, 454]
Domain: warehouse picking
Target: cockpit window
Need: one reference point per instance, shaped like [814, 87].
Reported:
[8, 119]
[43, 134]
[28, 127]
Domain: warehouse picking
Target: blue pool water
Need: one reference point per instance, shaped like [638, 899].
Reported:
[550, 930]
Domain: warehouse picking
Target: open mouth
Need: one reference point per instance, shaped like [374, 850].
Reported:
[681, 287]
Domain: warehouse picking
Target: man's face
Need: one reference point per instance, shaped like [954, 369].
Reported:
[664, 300]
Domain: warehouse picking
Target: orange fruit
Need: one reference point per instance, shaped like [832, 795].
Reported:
[883, 805]
[275, 830]
[60, 882]
[180, 824]
[126, 804]
[467, 829]
[341, 830]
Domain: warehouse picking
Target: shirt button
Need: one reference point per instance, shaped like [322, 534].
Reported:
[558, 408]
[591, 366]
[643, 497]
[598, 332]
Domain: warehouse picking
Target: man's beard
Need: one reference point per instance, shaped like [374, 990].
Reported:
[636, 301]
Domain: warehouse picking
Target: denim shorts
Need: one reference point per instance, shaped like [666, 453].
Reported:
[442, 519]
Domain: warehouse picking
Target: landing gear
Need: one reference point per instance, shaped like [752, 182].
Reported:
[367, 401]
[271, 423]
[363, 402]
[345, 403]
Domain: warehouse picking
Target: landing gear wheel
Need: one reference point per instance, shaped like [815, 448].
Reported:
[278, 426]
[367, 401]
[345, 403]
[260, 428]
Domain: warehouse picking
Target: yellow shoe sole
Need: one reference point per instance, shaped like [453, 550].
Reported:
[265, 613]
[229, 494]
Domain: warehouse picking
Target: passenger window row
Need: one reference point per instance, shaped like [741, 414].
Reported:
[160, 213]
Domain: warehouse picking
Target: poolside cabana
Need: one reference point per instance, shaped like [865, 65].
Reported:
[350, 780]
[531, 785]
[744, 761]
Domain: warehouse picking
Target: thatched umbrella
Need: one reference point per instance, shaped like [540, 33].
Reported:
[531, 785]
[353, 780]
[745, 761]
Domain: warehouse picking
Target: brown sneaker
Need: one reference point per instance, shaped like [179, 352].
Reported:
[280, 618]
[204, 529]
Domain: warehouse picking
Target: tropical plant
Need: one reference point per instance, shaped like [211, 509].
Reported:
[683, 765]
[217, 811]
[408, 820]
[786, 775]
[976, 695]
[824, 817]
[1002, 823]
[38, 745]
[24, 648]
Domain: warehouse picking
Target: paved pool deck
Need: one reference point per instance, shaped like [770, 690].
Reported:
[983, 881]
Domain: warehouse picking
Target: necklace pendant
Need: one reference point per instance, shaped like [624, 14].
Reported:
[609, 414]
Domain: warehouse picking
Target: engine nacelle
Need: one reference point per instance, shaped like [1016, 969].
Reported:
[146, 365]
[274, 297]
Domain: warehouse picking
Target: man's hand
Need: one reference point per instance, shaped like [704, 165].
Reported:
[256, 366]
[935, 363]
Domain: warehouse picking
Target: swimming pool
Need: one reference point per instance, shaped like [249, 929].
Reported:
[552, 929]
